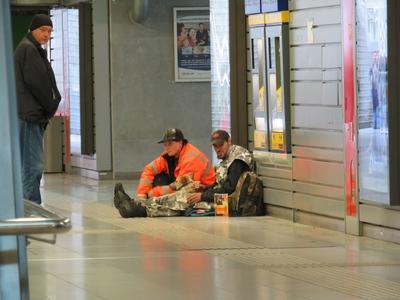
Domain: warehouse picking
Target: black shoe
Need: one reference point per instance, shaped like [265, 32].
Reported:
[120, 197]
[132, 209]
[141, 211]
[127, 207]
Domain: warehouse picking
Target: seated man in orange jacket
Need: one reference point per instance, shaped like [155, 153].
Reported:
[179, 159]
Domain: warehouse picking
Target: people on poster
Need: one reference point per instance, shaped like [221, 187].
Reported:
[202, 36]
[192, 45]
[192, 37]
[191, 40]
[182, 38]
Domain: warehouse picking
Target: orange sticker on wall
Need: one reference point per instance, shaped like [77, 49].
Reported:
[259, 139]
[277, 141]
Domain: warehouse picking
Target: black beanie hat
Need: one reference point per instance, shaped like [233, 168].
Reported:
[40, 20]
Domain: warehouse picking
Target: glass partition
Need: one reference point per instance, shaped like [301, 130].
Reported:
[258, 73]
[373, 141]
[220, 66]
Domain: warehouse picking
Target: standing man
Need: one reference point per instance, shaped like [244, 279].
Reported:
[38, 98]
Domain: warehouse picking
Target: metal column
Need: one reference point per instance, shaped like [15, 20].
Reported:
[13, 263]
[351, 191]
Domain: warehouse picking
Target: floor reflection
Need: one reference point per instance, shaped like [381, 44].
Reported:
[374, 165]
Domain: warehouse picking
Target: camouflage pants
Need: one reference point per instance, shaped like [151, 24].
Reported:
[170, 205]
[166, 206]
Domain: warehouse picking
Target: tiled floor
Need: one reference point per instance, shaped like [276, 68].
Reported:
[107, 257]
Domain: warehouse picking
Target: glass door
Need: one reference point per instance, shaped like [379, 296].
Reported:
[65, 60]
[372, 100]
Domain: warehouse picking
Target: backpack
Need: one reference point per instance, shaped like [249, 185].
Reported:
[248, 197]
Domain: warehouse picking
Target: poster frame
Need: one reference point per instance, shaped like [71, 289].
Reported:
[193, 12]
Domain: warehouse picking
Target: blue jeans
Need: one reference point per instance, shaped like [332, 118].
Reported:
[31, 142]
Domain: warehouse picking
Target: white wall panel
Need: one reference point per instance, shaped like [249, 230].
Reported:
[304, 4]
[276, 183]
[328, 173]
[308, 56]
[335, 74]
[276, 197]
[319, 16]
[325, 34]
[320, 93]
[324, 206]
[331, 56]
[298, 75]
[315, 75]
[379, 215]
[318, 138]
[274, 172]
[316, 56]
[317, 117]
[319, 190]
[318, 153]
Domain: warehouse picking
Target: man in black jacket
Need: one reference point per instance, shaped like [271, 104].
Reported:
[235, 160]
[38, 98]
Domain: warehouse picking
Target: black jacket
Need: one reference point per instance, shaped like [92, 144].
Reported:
[37, 93]
[235, 170]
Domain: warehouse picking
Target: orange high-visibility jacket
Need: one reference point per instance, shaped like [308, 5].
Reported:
[191, 160]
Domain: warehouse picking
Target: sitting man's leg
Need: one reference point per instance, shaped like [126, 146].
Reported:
[127, 207]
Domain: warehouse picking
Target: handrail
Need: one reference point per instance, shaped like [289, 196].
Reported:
[37, 220]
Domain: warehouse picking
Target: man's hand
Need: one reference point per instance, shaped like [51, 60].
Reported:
[193, 198]
[183, 180]
[172, 185]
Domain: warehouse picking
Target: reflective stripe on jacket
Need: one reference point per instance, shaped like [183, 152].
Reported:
[191, 160]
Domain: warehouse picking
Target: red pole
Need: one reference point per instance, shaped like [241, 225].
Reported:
[349, 106]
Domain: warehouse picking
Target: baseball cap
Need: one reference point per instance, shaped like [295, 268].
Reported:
[172, 134]
[218, 137]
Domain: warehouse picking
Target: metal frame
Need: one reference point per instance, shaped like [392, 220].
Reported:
[13, 267]
[258, 33]
[176, 10]
[238, 73]
[37, 220]
[393, 64]
[350, 119]
[86, 79]
[281, 31]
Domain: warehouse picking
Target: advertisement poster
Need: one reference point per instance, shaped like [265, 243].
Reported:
[192, 44]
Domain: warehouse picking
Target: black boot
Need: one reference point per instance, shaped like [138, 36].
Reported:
[127, 207]
[132, 209]
[120, 197]
[140, 210]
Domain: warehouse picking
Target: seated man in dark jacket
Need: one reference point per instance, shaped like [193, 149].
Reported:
[235, 160]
